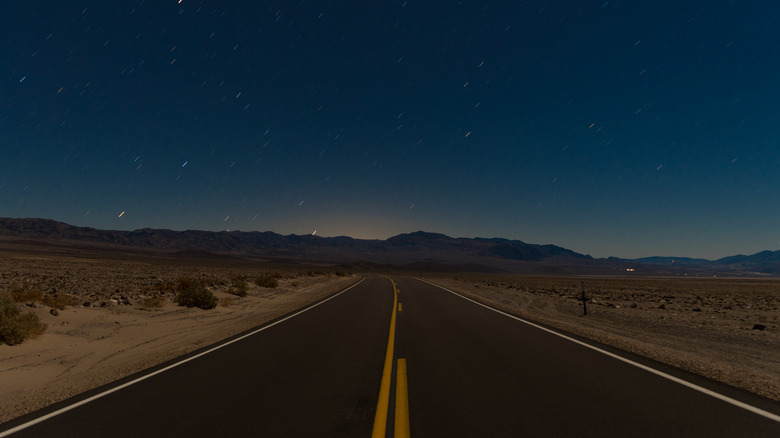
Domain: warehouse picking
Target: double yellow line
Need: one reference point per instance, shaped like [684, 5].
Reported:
[401, 393]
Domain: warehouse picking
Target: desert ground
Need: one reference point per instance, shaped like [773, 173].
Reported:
[119, 316]
[727, 329]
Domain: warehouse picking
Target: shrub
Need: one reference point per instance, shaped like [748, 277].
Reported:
[185, 283]
[239, 288]
[267, 281]
[153, 302]
[16, 326]
[294, 283]
[167, 286]
[225, 302]
[195, 295]
[25, 292]
[57, 300]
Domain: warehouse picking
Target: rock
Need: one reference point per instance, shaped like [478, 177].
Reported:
[634, 305]
[696, 309]
[759, 327]
[87, 304]
[103, 304]
[54, 312]
[662, 306]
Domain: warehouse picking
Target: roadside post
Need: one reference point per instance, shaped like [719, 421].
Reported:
[584, 308]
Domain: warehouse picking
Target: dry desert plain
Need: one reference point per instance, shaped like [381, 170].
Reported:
[121, 317]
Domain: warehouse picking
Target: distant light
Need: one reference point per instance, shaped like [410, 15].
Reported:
[315, 232]
[121, 214]
[185, 163]
[630, 269]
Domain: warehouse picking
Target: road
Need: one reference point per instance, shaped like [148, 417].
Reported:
[434, 364]
[474, 372]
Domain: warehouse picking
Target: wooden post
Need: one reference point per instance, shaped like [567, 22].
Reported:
[584, 308]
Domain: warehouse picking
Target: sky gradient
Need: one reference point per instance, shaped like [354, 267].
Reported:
[622, 129]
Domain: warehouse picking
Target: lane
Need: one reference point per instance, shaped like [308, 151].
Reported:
[317, 374]
[474, 372]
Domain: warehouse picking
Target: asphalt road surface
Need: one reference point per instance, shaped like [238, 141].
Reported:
[474, 372]
[448, 368]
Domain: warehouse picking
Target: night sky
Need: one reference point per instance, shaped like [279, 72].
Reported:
[613, 128]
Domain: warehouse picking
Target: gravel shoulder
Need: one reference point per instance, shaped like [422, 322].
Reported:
[724, 329]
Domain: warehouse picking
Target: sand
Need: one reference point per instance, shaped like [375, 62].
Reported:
[85, 347]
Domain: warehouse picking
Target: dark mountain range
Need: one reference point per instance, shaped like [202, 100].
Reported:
[764, 262]
[672, 261]
[412, 251]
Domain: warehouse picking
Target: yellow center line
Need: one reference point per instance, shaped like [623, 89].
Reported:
[401, 402]
[383, 404]
[400, 307]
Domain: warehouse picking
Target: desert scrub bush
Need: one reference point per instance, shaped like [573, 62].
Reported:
[193, 294]
[227, 301]
[152, 302]
[239, 287]
[184, 283]
[24, 292]
[267, 281]
[16, 326]
[58, 300]
[167, 286]
[295, 283]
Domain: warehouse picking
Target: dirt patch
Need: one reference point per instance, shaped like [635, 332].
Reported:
[121, 318]
[724, 329]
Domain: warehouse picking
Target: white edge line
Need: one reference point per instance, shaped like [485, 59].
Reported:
[693, 386]
[144, 377]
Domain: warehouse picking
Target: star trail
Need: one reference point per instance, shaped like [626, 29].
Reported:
[613, 128]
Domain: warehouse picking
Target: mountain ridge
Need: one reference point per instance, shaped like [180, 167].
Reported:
[409, 251]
